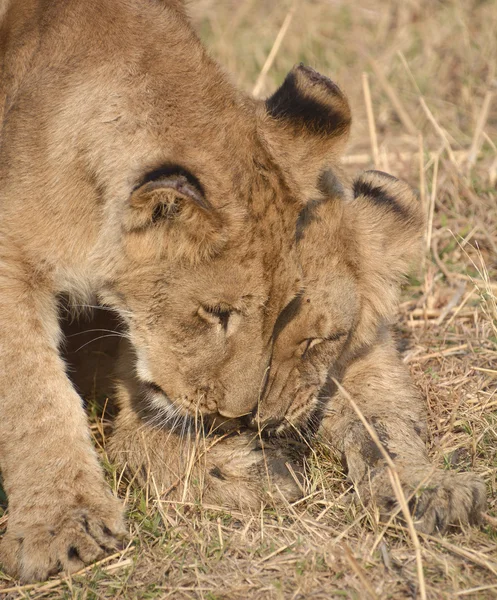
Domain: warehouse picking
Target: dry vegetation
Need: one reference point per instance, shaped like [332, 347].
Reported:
[429, 67]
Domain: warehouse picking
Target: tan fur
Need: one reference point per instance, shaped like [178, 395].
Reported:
[354, 245]
[134, 175]
[244, 268]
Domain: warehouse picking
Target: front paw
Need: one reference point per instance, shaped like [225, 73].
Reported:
[446, 499]
[63, 535]
[244, 471]
[456, 499]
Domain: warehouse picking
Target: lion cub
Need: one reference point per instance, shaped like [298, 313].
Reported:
[134, 175]
[355, 246]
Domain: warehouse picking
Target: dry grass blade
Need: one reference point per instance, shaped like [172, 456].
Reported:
[400, 156]
[274, 50]
[476, 590]
[439, 130]
[482, 370]
[396, 486]
[394, 99]
[439, 354]
[371, 122]
[477, 136]
[431, 208]
[422, 177]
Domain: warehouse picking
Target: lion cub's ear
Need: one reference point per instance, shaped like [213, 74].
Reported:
[168, 214]
[391, 218]
[307, 123]
[388, 219]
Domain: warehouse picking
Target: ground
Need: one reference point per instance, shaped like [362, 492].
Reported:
[421, 76]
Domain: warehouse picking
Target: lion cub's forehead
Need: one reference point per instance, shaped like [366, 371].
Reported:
[262, 266]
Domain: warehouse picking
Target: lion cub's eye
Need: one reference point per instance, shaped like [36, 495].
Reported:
[216, 315]
[306, 345]
[309, 343]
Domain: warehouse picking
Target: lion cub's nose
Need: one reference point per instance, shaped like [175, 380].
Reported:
[232, 407]
[231, 414]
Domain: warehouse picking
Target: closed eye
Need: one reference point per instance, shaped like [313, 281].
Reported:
[216, 315]
[309, 343]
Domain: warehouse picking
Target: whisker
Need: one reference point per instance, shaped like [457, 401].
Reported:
[96, 307]
[96, 331]
[183, 430]
[96, 340]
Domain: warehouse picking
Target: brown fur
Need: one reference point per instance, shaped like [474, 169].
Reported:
[354, 252]
[134, 175]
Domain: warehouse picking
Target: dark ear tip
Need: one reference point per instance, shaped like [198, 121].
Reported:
[308, 100]
[382, 189]
[391, 180]
[379, 174]
[322, 89]
[380, 179]
[308, 75]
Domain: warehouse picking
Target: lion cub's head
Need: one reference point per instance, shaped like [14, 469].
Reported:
[355, 245]
[210, 259]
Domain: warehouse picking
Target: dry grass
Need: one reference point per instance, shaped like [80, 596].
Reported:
[432, 119]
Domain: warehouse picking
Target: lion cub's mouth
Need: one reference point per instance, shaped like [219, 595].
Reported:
[157, 408]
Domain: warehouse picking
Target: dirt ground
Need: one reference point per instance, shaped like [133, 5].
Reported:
[421, 76]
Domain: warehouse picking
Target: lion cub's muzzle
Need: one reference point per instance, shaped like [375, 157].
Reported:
[295, 414]
[157, 406]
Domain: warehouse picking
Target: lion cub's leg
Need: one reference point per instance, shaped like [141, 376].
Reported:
[61, 512]
[234, 470]
[381, 387]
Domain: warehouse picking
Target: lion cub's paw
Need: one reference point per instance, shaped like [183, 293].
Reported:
[40, 542]
[243, 471]
[457, 499]
[447, 499]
